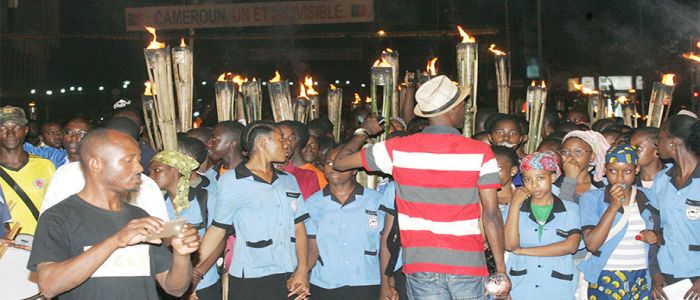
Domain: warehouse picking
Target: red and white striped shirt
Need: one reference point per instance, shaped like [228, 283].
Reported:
[438, 174]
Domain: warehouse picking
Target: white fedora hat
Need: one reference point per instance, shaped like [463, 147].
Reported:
[437, 96]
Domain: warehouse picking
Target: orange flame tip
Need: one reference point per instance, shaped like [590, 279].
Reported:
[182, 42]
[302, 91]
[692, 56]
[543, 85]
[667, 79]
[222, 77]
[154, 43]
[309, 83]
[332, 87]
[430, 68]
[465, 37]
[368, 99]
[496, 51]
[277, 77]
[381, 63]
[532, 83]
[358, 99]
[388, 50]
[584, 90]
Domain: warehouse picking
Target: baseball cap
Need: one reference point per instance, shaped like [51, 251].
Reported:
[12, 114]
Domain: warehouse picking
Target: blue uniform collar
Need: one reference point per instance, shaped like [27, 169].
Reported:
[558, 207]
[672, 173]
[358, 191]
[242, 172]
[440, 130]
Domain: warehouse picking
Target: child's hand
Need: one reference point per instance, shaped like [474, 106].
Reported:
[617, 196]
[648, 236]
[519, 196]
[570, 168]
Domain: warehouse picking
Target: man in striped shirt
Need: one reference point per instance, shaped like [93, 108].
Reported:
[443, 180]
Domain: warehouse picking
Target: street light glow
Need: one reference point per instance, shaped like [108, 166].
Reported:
[49, 92]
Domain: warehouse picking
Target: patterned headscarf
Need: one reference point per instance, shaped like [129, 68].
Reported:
[598, 144]
[623, 153]
[184, 165]
[540, 161]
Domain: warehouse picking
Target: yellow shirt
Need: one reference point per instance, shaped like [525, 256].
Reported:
[322, 181]
[33, 178]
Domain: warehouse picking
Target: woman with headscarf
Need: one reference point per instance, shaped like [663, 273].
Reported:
[677, 190]
[172, 170]
[583, 155]
[541, 232]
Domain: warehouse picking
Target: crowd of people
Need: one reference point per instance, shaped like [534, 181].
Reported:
[275, 211]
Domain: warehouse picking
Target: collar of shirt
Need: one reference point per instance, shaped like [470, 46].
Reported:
[359, 191]
[242, 172]
[440, 130]
[672, 173]
[557, 208]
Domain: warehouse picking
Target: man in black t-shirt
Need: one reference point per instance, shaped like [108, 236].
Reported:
[93, 245]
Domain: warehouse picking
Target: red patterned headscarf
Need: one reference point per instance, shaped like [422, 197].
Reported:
[540, 161]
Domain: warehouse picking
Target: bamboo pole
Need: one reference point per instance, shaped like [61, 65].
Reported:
[467, 71]
[280, 98]
[335, 110]
[183, 70]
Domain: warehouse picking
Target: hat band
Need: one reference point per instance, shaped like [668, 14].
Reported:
[444, 106]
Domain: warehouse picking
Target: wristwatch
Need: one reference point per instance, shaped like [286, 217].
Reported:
[361, 130]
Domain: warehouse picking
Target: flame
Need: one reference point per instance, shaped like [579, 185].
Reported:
[222, 77]
[692, 56]
[357, 100]
[584, 90]
[150, 89]
[302, 91]
[309, 83]
[332, 87]
[239, 80]
[622, 99]
[430, 68]
[381, 32]
[368, 99]
[543, 85]
[667, 79]
[525, 104]
[465, 37]
[388, 50]
[277, 77]
[496, 51]
[182, 42]
[697, 44]
[381, 63]
[154, 44]
[532, 83]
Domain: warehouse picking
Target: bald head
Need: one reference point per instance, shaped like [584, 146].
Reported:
[99, 142]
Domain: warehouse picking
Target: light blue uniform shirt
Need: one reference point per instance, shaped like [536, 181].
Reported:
[263, 215]
[679, 207]
[593, 205]
[347, 236]
[552, 277]
[193, 215]
[389, 193]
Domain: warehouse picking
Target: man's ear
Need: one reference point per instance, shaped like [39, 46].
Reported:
[96, 165]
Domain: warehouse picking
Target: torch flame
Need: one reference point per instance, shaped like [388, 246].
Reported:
[430, 68]
[532, 83]
[692, 56]
[239, 80]
[358, 99]
[277, 77]
[465, 37]
[309, 83]
[543, 85]
[388, 50]
[154, 44]
[368, 99]
[496, 51]
[667, 79]
[333, 88]
[622, 99]
[182, 42]
[150, 88]
[381, 63]
[302, 91]
[584, 90]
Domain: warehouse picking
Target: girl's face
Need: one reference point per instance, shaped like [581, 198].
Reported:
[163, 174]
[621, 173]
[646, 149]
[506, 170]
[538, 182]
[580, 151]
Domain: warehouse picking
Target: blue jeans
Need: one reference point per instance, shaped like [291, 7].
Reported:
[437, 286]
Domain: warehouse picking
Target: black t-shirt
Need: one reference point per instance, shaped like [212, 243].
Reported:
[71, 227]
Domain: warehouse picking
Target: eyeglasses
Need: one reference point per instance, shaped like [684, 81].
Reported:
[75, 132]
[575, 152]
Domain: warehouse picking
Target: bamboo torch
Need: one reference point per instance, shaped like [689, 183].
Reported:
[253, 99]
[467, 70]
[301, 105]
[335, 110]
[660, 102]
[392, 58]
[537, 103]
[149, 115]
[596, 105]
[382, 76]
[312, 94]
[158, 65]
[225, 90]
[240, 112]
[430, 71]
[183, 69]
[502, 79]
[280, 98]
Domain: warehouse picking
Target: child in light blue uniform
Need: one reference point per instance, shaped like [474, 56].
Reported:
[542, 232]
[172, 171]
[618, 225]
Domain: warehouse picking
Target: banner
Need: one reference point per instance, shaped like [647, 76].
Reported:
[250, 14]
